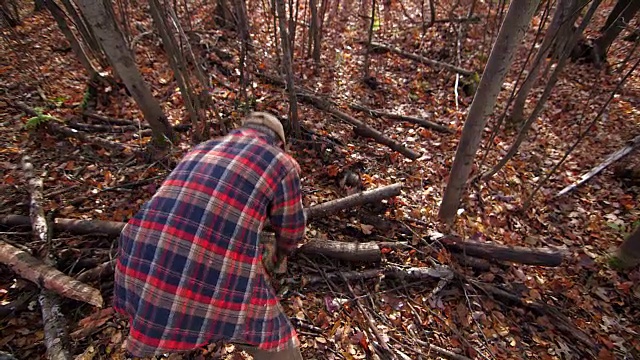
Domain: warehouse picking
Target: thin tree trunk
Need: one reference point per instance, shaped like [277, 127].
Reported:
[367, 57]
[628, 253]
[121, 58]
[615, 13]
[81, 25]
[604, 41]
[10, 17]
[511, 33]
[522, 134]
[315, 33]
[288, 68]
[243, 28]
[563, 13]
[59, 17]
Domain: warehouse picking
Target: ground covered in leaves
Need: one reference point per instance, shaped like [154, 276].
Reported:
[85, 181]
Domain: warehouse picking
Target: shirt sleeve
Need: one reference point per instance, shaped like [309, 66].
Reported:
[287, 213]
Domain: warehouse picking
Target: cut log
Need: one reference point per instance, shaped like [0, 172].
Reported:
[113, 121]
[516, 254]
[347, 251]
[422, 59]
[613, 157]
[394, 272]
[369, 196]
[362, 128]
[422, 122]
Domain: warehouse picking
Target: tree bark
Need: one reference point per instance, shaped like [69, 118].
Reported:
[340, 250]
[314, 33]
[367, 59]
[628, 253]
[517, 254]
[331, 207]
[566, 50]
[615, 13]
[288, 68]
[121, 58]
[60, 18]
[604, 41]
[563, 17]
[511, 33]
[10, 17]
[85, 32]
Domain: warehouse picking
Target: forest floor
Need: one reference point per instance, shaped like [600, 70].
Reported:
[602, 304]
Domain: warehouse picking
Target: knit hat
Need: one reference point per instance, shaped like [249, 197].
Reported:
[268, 120]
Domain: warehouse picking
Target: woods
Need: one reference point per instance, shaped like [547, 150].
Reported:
[530, 248]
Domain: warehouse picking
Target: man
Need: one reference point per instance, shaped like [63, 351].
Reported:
[189, 268]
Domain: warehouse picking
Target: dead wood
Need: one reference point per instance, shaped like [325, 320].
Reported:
[102, 128]
[56, 126]
[613, 157]
[113, 121]
[517, 254]
[52, 318]
[422, 122]
[103, 270]
[369, 196]
[389, 271]
[113, 228]
[558, 320]
[362, 128]
[472, 262]
[46, 276]
[347, 251]
[422, 59]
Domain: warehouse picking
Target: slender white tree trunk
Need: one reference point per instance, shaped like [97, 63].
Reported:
[511, 34]
[120, 57]
[288, 67]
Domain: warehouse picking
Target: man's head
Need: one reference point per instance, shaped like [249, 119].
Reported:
[267, 120]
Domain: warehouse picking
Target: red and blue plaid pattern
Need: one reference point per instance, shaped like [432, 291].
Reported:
[189, 268]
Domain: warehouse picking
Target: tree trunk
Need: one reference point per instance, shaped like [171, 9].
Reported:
[224, 14]
[288, 68]
[566, 50]
[617, 10]
[628, 253]
[511, 33]
[60, 18]
[10, 17]
[121, 58]
[604, 41]
[87, 35]
[563, 17]
[243, 29]
[367, 58]
[314, 33]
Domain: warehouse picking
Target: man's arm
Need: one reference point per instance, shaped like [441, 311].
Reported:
[287, 214]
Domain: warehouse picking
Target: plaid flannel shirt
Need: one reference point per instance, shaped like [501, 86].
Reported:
[189, 268]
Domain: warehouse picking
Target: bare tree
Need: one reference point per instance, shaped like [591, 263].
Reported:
[511, 33]
[245, 42]
[566, 51]
[314, 33]
[288, 68]
[87, 35]
[563, 18]
[103, 24]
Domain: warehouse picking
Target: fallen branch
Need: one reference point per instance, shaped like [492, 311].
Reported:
[113, 121]
[369, 196]
[558, 320]
[389, 271]
[444, 352]
[348, 251]
[411, 119]
[56, 126]
[52, 318]
[113, 228]
[517, 254]
[613, 157]
[103, 270]
[362, 128]
[46, 276]
[422, 59]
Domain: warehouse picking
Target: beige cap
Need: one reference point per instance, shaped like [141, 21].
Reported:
[268, 120]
